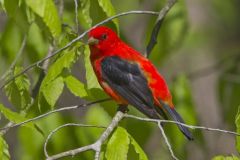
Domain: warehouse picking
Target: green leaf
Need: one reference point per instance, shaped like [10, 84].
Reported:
[225, 158]
[117, 147]
[53, 90]
[62, 64]
[138, 149]
[18, 90]
[14, 116]
[32, 143]
[11, 35]
[172, 32]
[17, 12]
[2, 4]
[90, 75]
[59, 68]
[4, 153]
[237, 122]
[47, 10]
[36, 43]
[84, 14]
[108, 8]
[75, 86]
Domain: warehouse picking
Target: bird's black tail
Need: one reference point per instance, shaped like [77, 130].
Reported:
[176, 117]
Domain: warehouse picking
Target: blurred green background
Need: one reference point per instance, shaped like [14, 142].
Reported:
[198, 53]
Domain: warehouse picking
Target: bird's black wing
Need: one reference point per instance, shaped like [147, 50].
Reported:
[128, 81]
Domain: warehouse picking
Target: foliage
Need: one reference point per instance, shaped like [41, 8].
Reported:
[67, 78]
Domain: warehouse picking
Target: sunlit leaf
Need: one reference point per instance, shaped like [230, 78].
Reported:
[36, 43]
[18, 90]
[32, 143]
[2, 4]
[60, 68]
[17, 11]
[225, 158]
[4, 153]
[53, 90]
[117, 147]
[237, 123]
[14, 116]
[108, 9]
[75, 86]
[11, 35]
[46, 9]
[84, 14]
[138, 149]
[64, 62]
[90, 75]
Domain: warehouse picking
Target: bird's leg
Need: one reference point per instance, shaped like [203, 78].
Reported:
[123, 108]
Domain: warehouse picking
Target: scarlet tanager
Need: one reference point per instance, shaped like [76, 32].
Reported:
[130, 78]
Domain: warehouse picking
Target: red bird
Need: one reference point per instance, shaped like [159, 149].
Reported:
[130, 78]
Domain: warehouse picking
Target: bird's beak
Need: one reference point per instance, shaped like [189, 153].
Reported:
[92, 41]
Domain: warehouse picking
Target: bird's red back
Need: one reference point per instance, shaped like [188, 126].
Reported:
[113, 45]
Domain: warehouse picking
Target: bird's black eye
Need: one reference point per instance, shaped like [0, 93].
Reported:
[104, 36]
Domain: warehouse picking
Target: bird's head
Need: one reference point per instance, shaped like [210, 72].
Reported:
[102, 38]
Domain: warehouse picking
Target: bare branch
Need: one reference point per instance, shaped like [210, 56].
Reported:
[76, 15]
[7, 126]
[74, 41]
[53, 111]
[117, 118]
[153, 40]
[95, 146]
[183, 124]
[62, 126]
[42, 74]
[166, 141]
[60, 6]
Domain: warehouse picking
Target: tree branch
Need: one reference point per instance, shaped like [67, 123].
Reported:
[95, 146]
[166, 141]
[76, 15]
[74, 41]
[42, 74]
[183, 124]
[60, 127]
[116, 119]
[51, 112]
[153, 40]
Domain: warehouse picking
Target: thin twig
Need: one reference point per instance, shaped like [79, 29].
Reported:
[153, 40]
[61, 9]
[76, 15]
[74, 41]
[42, 74]
[95, 146]
[166, 141]
[53, 111]
[183, 124]
[20, 52]
[117, 118]
[9, 124]
[62, 126]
